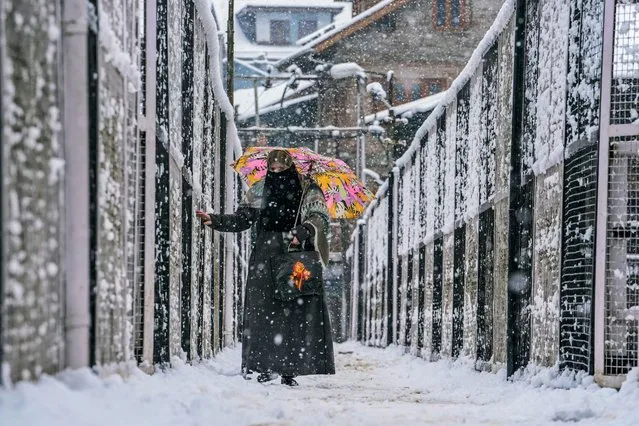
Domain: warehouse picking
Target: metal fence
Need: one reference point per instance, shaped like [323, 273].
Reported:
[493, 245]
[103, 262]
[580, 186]
[617, 299]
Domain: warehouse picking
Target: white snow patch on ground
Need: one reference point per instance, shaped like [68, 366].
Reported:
[372, 387]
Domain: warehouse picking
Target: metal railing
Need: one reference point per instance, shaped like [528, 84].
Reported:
[617, 292]
[156, 148]
[495, 250]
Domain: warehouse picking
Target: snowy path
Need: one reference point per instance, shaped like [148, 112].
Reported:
[372, 387]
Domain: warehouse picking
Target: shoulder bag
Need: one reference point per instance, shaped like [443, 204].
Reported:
[297, 273]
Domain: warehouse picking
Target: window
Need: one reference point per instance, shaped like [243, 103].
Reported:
[416, 91]
[306, 27]
[386, 24]
[434, 87]
[450, 14]
[281, 32]
[411, 90]
[246, 22]
[400, 95]
[441, 12]
[455, 13]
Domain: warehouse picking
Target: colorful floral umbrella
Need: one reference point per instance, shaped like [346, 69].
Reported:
[346, 197]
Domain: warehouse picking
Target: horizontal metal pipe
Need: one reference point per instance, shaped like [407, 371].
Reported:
[303, 129]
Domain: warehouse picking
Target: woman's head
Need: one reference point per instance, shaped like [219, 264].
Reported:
[282, 192]
[279, 160]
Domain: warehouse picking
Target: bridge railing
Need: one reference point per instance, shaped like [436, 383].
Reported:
[490, 216]
[114, 131]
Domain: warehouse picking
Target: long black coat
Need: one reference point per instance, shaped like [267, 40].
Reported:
[289, 338]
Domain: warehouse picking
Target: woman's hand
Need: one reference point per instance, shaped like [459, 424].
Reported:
[204, 217]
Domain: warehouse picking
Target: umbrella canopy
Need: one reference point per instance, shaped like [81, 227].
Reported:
[346, 197]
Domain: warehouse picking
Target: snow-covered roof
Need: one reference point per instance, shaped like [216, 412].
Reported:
[325, 37]
[246, 49]
[281, 105]
[420, 105]
[244, 99]
[253, 69]
[288, 4]
[346, 70]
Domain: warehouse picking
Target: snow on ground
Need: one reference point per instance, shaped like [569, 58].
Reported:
[372, 387]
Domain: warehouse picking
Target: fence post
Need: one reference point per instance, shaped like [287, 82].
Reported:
[388, 293]
[361, 291]
[229, 206]
[392, 314]
[2, 200]
[162, 181]
[602, 188]
[147, 125]
[364, 283]
[354, 287]
[516, 191]
[190, 305]
[93, 136]
[76, 135]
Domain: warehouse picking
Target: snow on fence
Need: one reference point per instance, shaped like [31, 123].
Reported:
[113, 134]
[490, 216]
[617, 239]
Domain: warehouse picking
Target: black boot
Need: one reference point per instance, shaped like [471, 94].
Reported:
[246, 373]
[266, 377]
[289, 381]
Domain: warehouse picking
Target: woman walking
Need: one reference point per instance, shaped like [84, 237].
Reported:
[288, 338]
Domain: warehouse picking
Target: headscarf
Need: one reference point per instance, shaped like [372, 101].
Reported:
[282, 194]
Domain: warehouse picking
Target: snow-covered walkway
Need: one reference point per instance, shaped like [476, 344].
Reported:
[372, 387]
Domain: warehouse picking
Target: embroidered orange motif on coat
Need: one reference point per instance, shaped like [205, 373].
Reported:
[300, 274]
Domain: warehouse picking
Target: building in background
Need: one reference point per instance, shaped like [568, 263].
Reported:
[267, 31]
